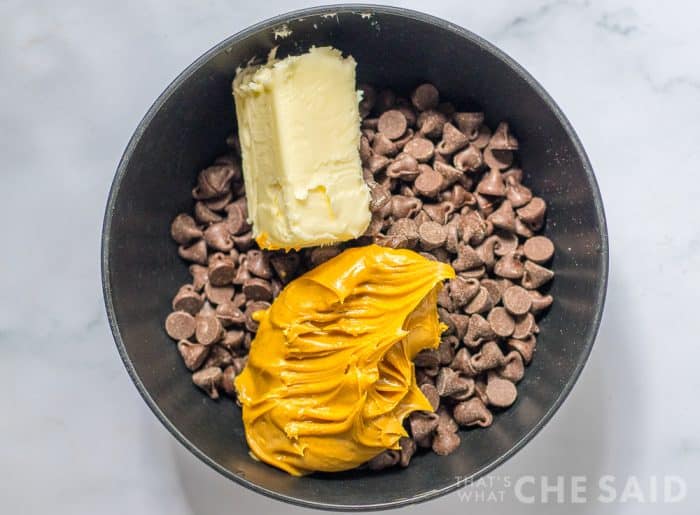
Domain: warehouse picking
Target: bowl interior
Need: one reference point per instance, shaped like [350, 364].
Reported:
[185, 130]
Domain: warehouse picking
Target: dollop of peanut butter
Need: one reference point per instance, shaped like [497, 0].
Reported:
[330, 376]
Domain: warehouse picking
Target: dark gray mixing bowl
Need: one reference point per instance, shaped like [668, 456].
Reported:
[186, 128]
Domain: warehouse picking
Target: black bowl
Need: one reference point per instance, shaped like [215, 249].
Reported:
[186, 128]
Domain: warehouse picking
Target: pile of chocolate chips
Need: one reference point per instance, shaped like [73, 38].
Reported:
[442, 184]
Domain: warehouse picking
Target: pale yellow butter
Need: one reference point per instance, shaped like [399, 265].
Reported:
[299, 128]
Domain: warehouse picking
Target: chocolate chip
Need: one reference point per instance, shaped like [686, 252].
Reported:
[369, 97]
[494, 290]
[486, 251]
[187, 299]
[483, 136]
[405, 207]
[205, 215]
[438, 212]
[523, 230]
[180, 325]
[218, 294]
[462, 363]
[377, 163]
[469, 123]
[488, 357]
[197, 252]
[431, 394]
[445, 350]
[221, 269]
[539, 302]
[392, 124]
[474, 228]
[218, 357]
[285, 265]
[468, 160]
[509, 266]
[445, 442]
[242, 273]
[472, 412]
[184, 229]
[227, 381]
[503, 217]
[517, 300]
[407, 229]
[228, 314]
[233, 339]
[505, 242]
[425, 96]
[422, 423]
[492, 184]
[404, 167]
[383, 146]
[380, 197]
[481, 303]
[236, 222]
[459, 322]
[218, 204]
[218, 237]
[500, 392]
[446, 423]
[427, 358]
[431, 123]
[214, 181]
[209, 379]
[501, 322]
[532, 214]
[502, 138]
[467, 258]
[463, 291]
[421, 149]
[257, 289]
[239, 363]
[458, 196]
[253, 307]
[535, 275]
[432, 235]
[199, 276]
[526, 346]
[449, 382]
[478, 330]
[408, 449]
[513, 368]
[258, 264]
[193, 354]
[208, 330]
[517, 194]
[524, 325]
[500, 159]
[401, 142]
[539, 249]
[452, 140]
[384, 460]
[443, 298]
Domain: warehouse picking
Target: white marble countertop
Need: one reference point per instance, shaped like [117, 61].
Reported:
[77, 77]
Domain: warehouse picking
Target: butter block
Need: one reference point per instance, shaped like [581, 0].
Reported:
[299, 129]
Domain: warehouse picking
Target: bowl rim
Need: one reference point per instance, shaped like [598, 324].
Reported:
[269, 24]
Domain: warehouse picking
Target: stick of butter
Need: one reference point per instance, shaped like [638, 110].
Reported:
[299, 129]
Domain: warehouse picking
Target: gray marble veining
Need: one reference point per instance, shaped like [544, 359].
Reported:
[77, 77]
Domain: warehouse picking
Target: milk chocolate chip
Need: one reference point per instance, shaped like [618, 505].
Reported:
[425, 96]
[184, 229]
[180, 325]
[392, 124]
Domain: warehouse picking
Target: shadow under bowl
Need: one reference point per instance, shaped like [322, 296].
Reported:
[186, 129]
